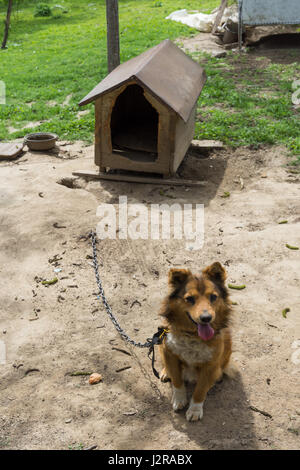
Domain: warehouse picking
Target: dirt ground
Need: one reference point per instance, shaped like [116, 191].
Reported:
[281, 49]
[51, 332]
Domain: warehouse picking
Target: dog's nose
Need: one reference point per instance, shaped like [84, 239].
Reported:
[205, 317]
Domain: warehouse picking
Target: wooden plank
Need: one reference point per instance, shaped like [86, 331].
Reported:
[199, 145]
[98, 121]
[219, 16]
[9, 150]
[184, 132]
[139, 179]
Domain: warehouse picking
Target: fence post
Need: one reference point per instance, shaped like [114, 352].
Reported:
[113, 43]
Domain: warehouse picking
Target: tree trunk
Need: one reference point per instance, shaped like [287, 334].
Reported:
[113, 47]
[7, 23]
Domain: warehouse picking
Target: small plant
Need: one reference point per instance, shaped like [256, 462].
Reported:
[58, 11]
[78, 446]
[42, 9]
[4, 442]
[61, 7]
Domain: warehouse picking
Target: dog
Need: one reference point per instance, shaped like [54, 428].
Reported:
[198, 345]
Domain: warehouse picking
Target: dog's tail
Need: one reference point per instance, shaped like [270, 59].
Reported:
[231, 369]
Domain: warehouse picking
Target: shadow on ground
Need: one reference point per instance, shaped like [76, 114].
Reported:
[279, 49]
[209, 169]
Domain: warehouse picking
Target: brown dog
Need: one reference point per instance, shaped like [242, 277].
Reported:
[197, 346]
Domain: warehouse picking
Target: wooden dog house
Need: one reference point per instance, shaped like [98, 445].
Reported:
[145, 111]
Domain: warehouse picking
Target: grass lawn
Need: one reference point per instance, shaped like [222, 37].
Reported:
[53, 62]
[248, 101]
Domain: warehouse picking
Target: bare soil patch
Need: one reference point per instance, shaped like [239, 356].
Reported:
[54, 334]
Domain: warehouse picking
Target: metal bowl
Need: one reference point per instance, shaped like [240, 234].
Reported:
[40, 140]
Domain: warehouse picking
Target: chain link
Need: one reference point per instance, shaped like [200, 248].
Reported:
[148, 344]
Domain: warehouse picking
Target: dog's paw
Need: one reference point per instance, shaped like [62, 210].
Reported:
[195, 411]
[164, 376]
[179, 398]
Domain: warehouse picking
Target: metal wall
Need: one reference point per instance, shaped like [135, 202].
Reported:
[267, 12]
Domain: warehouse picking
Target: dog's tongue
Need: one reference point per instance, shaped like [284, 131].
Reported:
[205, 332]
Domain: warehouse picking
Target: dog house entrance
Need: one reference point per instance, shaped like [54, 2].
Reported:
[134, 126]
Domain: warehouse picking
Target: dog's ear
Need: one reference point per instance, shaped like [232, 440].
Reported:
[177, 277]
[215, 272]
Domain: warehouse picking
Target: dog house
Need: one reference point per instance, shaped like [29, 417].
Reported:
[145, 111]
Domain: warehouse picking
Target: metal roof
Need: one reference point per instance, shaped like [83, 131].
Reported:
[166, 71]
[268, 12]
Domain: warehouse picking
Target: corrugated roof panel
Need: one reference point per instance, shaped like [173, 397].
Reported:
[267, 12]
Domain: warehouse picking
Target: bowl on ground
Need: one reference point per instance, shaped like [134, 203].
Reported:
[40, 140]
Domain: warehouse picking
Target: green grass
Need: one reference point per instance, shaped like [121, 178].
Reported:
[51, 58]
[246, 104]
[48, 59]
[78, 446]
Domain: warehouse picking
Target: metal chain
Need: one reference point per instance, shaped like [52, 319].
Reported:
[105, 303]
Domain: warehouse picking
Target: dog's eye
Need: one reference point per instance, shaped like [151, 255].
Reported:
[213, 297]
[190, 299]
